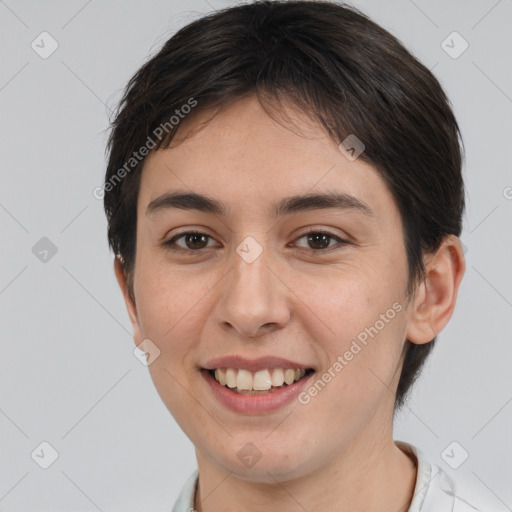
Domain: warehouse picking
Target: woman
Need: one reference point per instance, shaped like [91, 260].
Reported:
[284, 198]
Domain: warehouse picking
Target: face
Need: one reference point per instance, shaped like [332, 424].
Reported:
[253, 284]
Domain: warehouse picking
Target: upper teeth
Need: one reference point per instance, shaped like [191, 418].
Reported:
[261, 380]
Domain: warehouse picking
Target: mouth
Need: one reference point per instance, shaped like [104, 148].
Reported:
[261, 382]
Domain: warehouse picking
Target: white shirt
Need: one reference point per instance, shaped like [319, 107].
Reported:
[434, 490]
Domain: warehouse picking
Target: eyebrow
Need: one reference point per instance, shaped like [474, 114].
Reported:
[286, 206]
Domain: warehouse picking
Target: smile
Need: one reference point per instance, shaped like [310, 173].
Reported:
[259, 382]
[253, 401]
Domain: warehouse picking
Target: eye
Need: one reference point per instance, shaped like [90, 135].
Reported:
[320, 240]
[194, 241]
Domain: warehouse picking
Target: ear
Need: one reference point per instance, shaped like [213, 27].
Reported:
[434, 300]
[130, 304]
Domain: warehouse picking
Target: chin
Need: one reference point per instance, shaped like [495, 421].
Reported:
[266, 463]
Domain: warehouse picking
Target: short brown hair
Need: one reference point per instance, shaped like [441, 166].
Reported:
[335, 64]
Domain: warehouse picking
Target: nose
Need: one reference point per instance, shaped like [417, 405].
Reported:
[254, 301]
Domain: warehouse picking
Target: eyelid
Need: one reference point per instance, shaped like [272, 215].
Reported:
[170, 244]
[341, 242]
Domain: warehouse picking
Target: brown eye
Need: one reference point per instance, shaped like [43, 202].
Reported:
[194, 241]
[319, 241]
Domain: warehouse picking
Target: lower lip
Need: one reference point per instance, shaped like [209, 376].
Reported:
[255, 404]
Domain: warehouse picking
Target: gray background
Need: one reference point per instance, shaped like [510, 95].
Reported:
[68, 375]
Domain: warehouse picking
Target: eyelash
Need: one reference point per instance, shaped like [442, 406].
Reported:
[171, 243]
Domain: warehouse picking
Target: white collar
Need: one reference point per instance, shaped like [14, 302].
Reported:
[434, 490]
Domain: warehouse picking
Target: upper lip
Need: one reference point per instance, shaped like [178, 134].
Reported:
[260, 363]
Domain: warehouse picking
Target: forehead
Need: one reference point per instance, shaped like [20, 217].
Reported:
[246, 159]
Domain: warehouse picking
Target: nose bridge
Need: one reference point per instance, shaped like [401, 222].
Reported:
[250, 284]
[251, 297]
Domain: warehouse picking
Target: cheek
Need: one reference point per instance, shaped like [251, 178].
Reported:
[355, 315]
[171, 304]
[345, 299]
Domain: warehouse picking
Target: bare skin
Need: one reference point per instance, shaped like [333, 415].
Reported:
[297, 300]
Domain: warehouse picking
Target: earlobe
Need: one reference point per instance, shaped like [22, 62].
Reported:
[129, 302]
[435, 298]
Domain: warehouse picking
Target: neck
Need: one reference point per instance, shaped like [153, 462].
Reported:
[373, 477]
